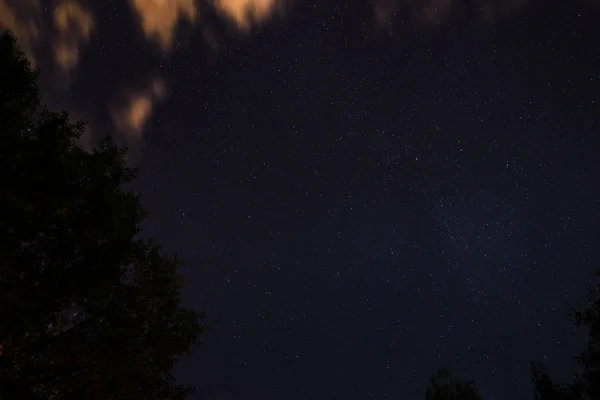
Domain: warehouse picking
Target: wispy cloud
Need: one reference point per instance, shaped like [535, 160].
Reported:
[131, 118]
[74, 24]
[432, 12]
[159, 19]
[70, 25]
[22, 17]
[244, 13]
[384, 12]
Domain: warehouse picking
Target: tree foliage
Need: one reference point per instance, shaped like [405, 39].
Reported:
[589, 359]
[546, 389]
[88, 309]
[443, 386]
[586, 385]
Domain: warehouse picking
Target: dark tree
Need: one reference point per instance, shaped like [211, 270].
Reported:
[443, 386]
[546, 389]
[88, 309]
[589, 359]
[587, 384]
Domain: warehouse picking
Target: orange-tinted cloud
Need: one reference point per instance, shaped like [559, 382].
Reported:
[243, 13]
[159, 18]
[131, 119]
[22, 17]
[74, 24]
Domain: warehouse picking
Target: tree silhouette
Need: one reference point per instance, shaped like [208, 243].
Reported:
[546, 389]
[443, 386]
[88, 310]
[586, 385]
[589, 359]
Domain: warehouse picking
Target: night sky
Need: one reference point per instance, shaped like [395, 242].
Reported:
[362, 192]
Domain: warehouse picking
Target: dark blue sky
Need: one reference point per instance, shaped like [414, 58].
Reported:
[359, 204]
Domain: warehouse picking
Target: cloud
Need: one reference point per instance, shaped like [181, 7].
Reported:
[22, 17]
[159, 18]
[131, 119]
[432, 12]
[243, 13]
[74, 24]
[491, 9]
[384, 11]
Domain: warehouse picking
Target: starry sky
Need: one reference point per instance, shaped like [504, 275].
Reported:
[362, 191]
